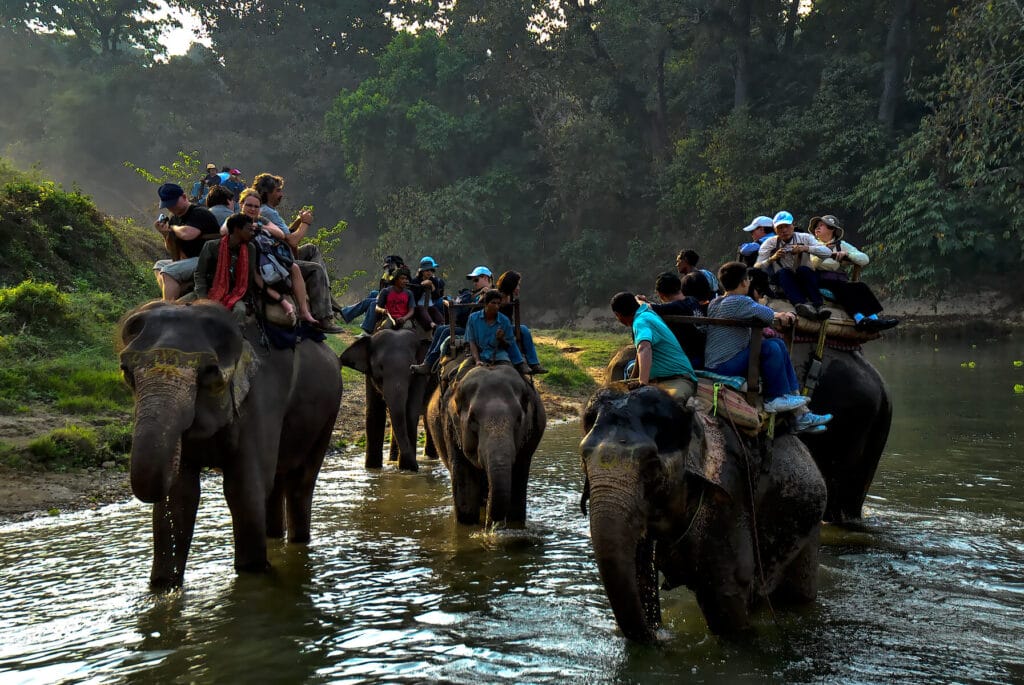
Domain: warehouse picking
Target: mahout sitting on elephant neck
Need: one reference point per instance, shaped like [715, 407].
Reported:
[661, 501]
[206, 397]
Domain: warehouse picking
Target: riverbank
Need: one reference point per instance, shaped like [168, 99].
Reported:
[576, 361]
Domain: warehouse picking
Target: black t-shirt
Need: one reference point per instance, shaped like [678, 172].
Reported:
[201, 218]
[690, 338]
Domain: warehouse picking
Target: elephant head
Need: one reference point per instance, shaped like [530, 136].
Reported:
[183, 364]
[384, 358]
[645, 463]
[497, 419]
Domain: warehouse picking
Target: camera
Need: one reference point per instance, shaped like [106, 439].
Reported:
[163, 218]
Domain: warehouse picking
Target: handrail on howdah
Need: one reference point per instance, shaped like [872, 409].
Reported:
[756, 327]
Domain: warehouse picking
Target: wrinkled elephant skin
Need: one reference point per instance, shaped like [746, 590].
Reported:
[203, 398]
[486, 427]
[661, 502]
[391, 390]
[848, 453]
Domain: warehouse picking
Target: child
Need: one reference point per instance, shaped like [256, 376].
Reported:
[728, 349]
[395, 301]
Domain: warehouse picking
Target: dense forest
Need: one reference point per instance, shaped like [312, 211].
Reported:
[583, 142]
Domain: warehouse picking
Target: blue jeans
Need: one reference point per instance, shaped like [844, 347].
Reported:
[776, 368]
[529, 349]
[440, 335]
[366, 306]
[800, 285]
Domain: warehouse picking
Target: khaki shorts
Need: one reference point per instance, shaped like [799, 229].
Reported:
[181, 270]
[680, 389]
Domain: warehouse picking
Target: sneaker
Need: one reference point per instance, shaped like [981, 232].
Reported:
[807, 311]
[421, 369]
[537, 369]
[784, 403]
[820, 313]
[813, 429]
[810, 420]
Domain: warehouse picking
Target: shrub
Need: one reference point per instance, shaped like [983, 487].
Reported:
[71, 446]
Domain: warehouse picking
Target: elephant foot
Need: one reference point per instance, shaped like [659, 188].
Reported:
[253, 567]
[408, 465]
[161, 584]
[468, 518]
[374, 462]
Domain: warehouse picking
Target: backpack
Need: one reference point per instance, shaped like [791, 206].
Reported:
[274, 259]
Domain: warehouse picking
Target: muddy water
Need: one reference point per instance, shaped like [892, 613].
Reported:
[931, 590]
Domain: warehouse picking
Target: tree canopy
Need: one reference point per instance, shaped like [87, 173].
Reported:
[583, 142]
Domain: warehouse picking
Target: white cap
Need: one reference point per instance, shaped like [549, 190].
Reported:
[759, 222]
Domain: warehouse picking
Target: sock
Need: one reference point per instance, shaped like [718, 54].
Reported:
[858, 317]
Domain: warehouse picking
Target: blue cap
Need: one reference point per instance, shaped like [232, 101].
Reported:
[760, 222]
[427, 263]
[480, 271]
[169, 194]
[783, 217]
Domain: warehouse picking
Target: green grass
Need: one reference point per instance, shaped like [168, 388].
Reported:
[595, 348]
[564, 375]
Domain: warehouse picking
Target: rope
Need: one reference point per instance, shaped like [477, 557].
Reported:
[700, 503]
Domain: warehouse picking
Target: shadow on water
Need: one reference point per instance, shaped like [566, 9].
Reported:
[928, 589]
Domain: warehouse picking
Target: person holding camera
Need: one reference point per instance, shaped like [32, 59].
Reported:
[786, 257]
[185, 229]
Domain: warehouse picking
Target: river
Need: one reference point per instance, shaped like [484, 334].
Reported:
[393, 590]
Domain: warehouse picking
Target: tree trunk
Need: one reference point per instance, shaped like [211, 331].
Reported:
[741, 67]
[897, 48]
[792, 17]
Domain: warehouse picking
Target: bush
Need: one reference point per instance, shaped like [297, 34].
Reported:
[71, 446]
[34, 307]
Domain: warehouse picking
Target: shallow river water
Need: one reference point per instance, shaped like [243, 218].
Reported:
[392, 590]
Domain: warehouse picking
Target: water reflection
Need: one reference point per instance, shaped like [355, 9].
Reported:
[928, 590]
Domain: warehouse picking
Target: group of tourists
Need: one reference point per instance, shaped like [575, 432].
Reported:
[238, 250]
[483, 314]
[777, 262]
[228, 178]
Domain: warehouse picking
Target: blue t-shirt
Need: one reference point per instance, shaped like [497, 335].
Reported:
[269, 212]
[667, 357]
[485, 336]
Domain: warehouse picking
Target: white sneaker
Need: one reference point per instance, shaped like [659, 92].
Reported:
[784, 403]
[809, 421]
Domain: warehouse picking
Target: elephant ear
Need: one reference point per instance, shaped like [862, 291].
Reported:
[241, 374]
[357, 355]
[708, 456]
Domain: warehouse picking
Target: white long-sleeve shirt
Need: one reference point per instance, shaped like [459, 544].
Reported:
[855, 256]
[790, 260]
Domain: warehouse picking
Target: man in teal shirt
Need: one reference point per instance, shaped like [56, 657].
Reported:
[659, 358]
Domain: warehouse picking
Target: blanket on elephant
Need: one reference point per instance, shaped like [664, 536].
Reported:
[708, 456]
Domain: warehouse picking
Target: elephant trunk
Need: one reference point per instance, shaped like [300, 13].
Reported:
[497, 451]
[617, 531]
[164, 409]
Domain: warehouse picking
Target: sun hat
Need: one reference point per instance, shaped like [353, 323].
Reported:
[759, 222]
[782, 217]
[480, 271]
[829, 220]
[427, 263]
[211, 165]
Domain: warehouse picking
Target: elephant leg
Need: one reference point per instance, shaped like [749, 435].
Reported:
[800, 581]
[376, 412]
[520, 476]
[393, 447]
[247, 486]
[429, 448]
[299, 487]
[275, 512]
[174, 520]
[466, 490]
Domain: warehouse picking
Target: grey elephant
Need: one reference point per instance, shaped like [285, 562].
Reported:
[391, 390]
[486, 426]
[205, 397]
[848, 453]
[668, 493]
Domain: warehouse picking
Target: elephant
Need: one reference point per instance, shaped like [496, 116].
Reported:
[662, 500]
[391, 387]
[207, 394]
[853, 391]
[847, 454]
[486, 426]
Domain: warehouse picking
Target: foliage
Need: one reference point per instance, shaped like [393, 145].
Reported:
[563, 375]
[77, 446]
[184, 170]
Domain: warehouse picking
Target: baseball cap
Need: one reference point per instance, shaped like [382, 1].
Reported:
[783, 217]
[480, 271]
[759, 222]
[169, 194]
[428, 263]
[236, 172]
[211, 165]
